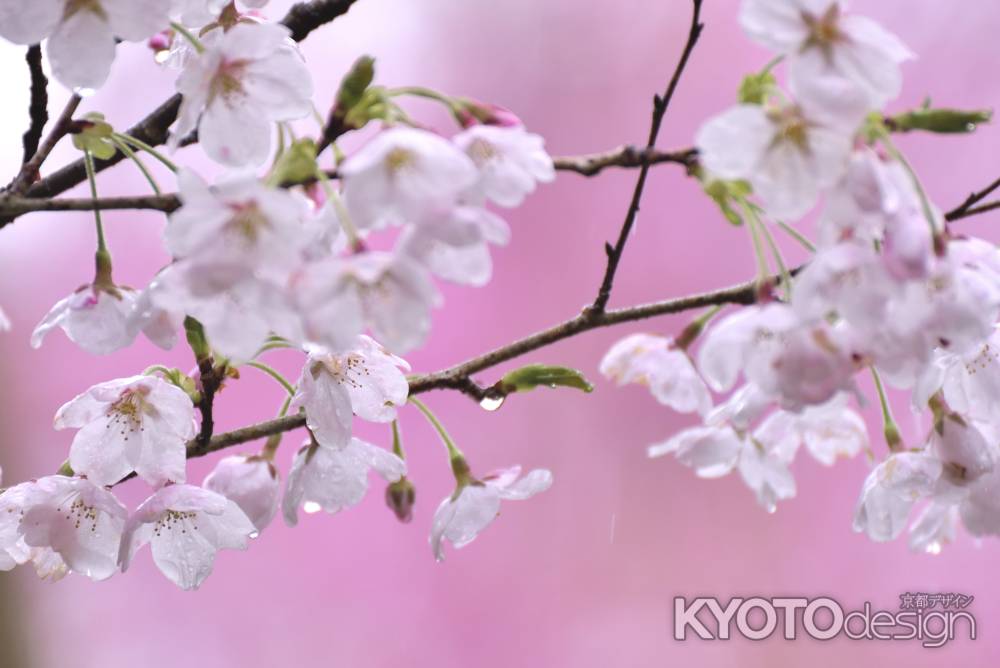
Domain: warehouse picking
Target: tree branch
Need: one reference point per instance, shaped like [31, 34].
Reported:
[38, 110]
[624, 156]
[660, 105]
[29, 170]
[969, 208]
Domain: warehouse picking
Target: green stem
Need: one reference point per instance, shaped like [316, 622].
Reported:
[156, 368]
[890, 428]
[397, 441]
[273, 441]
[798, 236]
[88, 161]
[130, 154]
[786, 277]
[273, 345]
[184, 32]
[763, 271]
[273, 373]
[353, 236]
[925, 202]
[453, 451]
[143, 146]
[695, 328]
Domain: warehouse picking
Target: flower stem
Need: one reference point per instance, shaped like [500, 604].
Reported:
[88, 161]
[273, 441]
[397, 441]
[925, 202]
[130, 154]
[143, 146]
[798, 236]
[189, 36]
[890, 428]
[763, 271]
[786, 277]
[695, 327]
[353, 236]
[453, 451]
[273, 373]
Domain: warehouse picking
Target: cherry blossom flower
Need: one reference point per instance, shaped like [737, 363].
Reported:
[77, 520]
[970, 382]
[252, 482]
[890, 492]
[390, 293]
[140, 423]
[199, 13]
[786, 156]
[844, 63]
[716, 450]
[237, 222]
[667, 371]
[95, 317]
[13, 550]
[185, 526]
[455, 247]
[366, 380]
[402, 175]
[829, 431]
[235, 89]
[476, 503]
[332, 479]
[81, 33]
[510, 160]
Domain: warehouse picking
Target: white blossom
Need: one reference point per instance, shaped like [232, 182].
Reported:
[185, 526]
[401, 175]
[140, 423]
[252, 482]
[77, 520]
[666, 370]
[94, 317]
[81, 33]
[13, 549]
[455, 246]
[366, 380]
[829, 431]
[843, 63]
[233, 91]
[476, 503]
[331, 479]
[890, 492]
[788, 157]
[510, 160]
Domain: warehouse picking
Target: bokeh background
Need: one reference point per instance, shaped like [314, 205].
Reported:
[585, 574]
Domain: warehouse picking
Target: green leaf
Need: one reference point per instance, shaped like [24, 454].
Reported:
[755, 88]
[529, 377]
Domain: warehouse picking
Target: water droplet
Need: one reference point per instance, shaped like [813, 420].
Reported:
[311, 507]
[970, 127]
[491, 403]
[254, 534]
[934, 548]
[161, 56]
[84, 92]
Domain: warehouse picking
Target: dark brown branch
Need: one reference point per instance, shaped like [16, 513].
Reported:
[624, 156]
[660, 105]
[29, 170]
[17, 206]
[969, 208]
[305, 17]
[38, 110]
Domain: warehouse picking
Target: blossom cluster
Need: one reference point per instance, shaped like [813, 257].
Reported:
[258, 264]
[889, 290]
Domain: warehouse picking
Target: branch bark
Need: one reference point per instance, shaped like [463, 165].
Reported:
[660, 105]
[29, 170]
[38, 109]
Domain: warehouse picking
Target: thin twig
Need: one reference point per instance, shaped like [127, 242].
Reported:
[624, 156]
[29, 170]
[968, 208]
[38, 110]
[660, 105]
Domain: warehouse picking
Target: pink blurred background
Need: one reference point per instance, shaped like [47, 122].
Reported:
[585, 574]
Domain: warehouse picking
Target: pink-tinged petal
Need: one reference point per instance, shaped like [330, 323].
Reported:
[732, 144]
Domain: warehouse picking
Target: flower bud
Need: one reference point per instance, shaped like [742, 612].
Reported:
[400, 497]
[471, 112]
[942, 121]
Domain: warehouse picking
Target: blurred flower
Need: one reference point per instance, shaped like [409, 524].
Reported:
[401, 175]
[140, 423]
[331, 479]
[476, 503]
[81, 33]
[185, 526]
[666, 370]
[842, 64]
[252, 482]
[510, 162]
[250, 78]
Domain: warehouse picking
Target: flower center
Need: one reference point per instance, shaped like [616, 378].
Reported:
[248, 221]
[74, 6]
[481, 152]
[399, 159]
[80, 513]
[126, 412]
[982, 361]
[824, 31]
[172, 520]
[227, 82]
[346, 370]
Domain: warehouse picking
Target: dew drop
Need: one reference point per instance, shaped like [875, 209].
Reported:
[161, 56]
[491, 403]
[311, 507]
[253, 534]
[84, 92]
